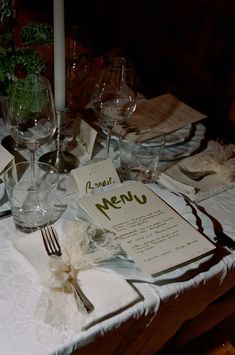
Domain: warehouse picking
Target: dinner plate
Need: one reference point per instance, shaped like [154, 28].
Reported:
[173, 138]
[179, 136]
[187, 147]
[170, 153]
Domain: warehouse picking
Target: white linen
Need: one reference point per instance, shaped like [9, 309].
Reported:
[221, 207]
[190, 146]
[169, 300]
[144, 328]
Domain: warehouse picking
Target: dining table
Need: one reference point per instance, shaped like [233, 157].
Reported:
[179, 304]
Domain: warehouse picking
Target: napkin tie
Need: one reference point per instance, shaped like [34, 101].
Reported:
[216, 157]
[83, 247]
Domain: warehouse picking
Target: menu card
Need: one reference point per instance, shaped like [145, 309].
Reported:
[160, 115]
[6, 159]
[95, 176]
[149, 230]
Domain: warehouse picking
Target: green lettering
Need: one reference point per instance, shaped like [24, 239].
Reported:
[144, 199]
[114, 200]
[106, 204]
[89, 186]
[127, 198]
[98, 184]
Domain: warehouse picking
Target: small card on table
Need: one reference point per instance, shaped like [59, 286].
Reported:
[94, 176]
[149, 230]
[86, 136]
[6, 159]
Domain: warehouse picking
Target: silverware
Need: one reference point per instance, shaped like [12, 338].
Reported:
[51, 243]
[195, 175]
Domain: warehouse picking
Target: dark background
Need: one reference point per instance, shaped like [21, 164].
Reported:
[186, 47]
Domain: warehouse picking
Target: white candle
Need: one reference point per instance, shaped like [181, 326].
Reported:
[59, 55]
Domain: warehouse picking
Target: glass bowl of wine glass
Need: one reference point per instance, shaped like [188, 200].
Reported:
[31, 117]
[114, 95]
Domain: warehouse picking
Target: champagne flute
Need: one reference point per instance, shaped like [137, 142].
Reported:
[114, 96]
[31, 118]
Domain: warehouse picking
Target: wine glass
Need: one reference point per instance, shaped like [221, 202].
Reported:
[31, 117]
[114, 96]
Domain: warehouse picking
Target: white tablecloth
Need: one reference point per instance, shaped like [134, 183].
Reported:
[169, 300]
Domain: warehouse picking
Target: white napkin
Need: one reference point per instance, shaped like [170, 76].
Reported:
[215, 157]
[109, 292]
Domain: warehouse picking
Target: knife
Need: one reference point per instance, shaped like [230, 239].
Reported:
[4, 214]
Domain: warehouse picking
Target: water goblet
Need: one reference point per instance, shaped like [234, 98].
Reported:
[114, 96]
[31, 116]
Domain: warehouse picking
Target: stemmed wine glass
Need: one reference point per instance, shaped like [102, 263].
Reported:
[114, 96]
[31, 117]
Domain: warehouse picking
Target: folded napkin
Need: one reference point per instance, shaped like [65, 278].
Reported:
[83, 246]
[216, 157]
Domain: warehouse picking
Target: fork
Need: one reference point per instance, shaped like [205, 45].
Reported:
[52, 246]
[195, 175]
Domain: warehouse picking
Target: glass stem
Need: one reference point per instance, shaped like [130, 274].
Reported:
[32, 162]
[108, 140]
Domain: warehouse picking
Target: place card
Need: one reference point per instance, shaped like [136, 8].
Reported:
[6, 159]
[160, 115]
[86, 138]
[95, 176]
[149, 230]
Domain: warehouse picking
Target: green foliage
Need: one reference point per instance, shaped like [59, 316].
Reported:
[5, 9]
[31, 61]
[18, 62]
[36, 33]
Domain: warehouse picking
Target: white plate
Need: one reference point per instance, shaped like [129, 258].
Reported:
[178, 136]
[182, 149]
[187, 148]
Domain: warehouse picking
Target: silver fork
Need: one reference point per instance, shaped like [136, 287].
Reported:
[52, 246]
[195, 175]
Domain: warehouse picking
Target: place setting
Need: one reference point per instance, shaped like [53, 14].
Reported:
[116, 210]
[32, 187]
[184, 133]
[80, 238]
[94, 225]
[66, 259]
[67, 251]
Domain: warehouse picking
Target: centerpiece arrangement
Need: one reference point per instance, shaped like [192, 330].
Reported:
[16, 61]
[20, 55]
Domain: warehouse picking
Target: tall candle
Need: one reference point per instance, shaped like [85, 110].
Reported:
[59, 55]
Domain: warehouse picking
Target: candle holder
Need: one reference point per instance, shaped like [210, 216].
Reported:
[62, 160]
